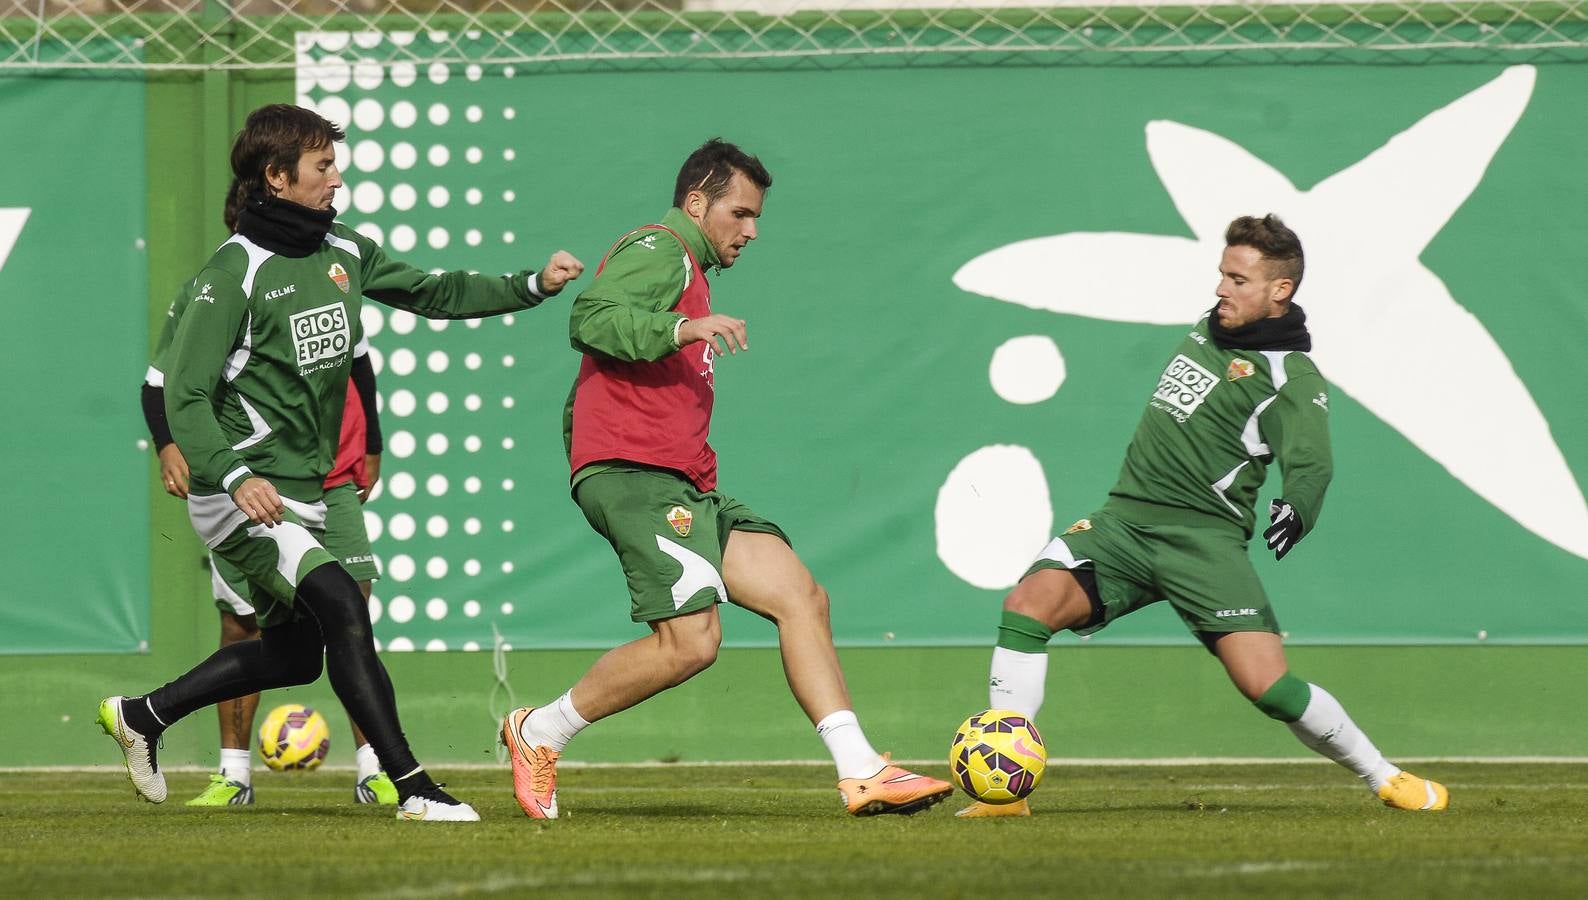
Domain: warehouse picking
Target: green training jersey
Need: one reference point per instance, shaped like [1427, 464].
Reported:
[1215, 421]
[629, 311]
[257, 367]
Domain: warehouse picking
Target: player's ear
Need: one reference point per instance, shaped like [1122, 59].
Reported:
[1283, 288]
[275, 179]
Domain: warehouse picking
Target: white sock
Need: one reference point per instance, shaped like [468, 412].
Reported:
[852, 753]
[1017, 681]
[1326, 729]
[237, 765]
[368, 763]
[554, 724]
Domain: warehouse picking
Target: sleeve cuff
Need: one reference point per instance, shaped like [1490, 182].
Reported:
[154, 377]
[677, 326]
[234, 477]
[532, 281]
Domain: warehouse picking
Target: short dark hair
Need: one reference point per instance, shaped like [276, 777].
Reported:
[710, 168]
[274, 137]
[1272, 238]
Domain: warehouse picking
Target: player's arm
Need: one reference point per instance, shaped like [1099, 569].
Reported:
[173, 467]
[210, 329]
[460, 295]
[363, 375]
[1296, 427]
[629, 312]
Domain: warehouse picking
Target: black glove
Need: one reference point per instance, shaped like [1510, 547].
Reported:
[1285, 530]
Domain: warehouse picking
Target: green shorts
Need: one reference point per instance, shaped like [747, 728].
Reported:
[668, 536]
[1204, 572]
[273, 561]
[344, 537]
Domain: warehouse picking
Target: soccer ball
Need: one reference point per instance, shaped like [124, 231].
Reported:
[997, 756]
[294, 737]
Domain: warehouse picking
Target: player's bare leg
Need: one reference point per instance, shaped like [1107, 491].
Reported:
[676, 650]
[1044, 602]
[1256, 664]
[763, 575]
[1254, 660]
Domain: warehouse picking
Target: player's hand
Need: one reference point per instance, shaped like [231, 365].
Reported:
[725, 333]
[258, 498]
[1285, 529]
[371, 476]
[173, 471]
[562, 268]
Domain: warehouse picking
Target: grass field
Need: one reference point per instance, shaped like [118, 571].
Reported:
[740, 831]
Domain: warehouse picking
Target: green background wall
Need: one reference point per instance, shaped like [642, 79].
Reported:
[1105, 700]
[71, 293]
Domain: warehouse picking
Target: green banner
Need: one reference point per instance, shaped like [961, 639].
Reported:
[967, 283]
[73, 315]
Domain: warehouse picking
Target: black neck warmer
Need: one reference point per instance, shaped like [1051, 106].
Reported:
[1286, 332]
[284, 227]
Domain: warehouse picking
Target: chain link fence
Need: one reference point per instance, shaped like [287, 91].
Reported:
[175, 35]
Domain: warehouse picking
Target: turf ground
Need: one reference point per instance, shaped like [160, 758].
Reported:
[740, 831]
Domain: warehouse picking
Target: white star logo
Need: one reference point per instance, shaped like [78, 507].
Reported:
[1386, 329]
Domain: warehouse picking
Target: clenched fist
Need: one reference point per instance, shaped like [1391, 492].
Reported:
[562, 268]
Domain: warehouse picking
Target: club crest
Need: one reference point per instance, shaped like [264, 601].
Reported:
[681, 519]
[1239, 368]
[1081, 525]
[338, 276]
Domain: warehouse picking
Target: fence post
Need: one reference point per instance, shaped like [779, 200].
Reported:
[219, 28]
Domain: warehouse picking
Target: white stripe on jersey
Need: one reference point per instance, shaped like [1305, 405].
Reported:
[239, 357]
[261, 427]
[256, 258]
[1276, 367]
[1223, 484]
[342, 243]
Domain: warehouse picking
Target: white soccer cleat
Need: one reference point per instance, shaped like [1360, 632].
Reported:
[136, 751]
[436, 805]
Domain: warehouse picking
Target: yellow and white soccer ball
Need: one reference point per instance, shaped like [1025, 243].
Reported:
[294, 737]
[997, 756]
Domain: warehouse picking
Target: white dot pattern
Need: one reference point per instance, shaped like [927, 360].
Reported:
[429, 149]
[401, 444]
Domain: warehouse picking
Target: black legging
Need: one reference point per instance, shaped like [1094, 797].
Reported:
[285, 655]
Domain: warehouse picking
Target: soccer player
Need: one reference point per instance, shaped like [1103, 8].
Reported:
[353, 475]
[1239, 392]
[646, 479]
[255, 386]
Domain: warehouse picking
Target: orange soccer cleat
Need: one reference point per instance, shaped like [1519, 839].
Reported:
[534, 768]
[892, 790]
